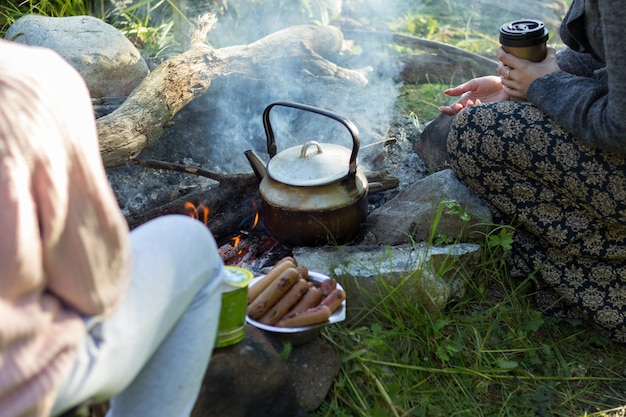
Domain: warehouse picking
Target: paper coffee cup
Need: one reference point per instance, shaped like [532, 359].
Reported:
[525, 38]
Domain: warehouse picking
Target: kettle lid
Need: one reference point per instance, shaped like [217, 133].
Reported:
[303, 166]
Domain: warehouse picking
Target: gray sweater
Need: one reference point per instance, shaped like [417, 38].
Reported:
[588, 96]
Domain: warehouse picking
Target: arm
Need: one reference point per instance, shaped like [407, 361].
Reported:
[592, 108]
[576, 63]
[67, 231]
[515, 75]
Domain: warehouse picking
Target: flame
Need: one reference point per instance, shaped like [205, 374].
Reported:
[256, 219]
[190, 208]
[195, 212]
[236, 241]
[205, 214]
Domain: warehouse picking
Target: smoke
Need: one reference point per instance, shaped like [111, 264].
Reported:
[234, 106]
[228, 119]
[224, 123]
[214, 130]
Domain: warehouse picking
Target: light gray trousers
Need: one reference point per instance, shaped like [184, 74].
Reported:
[150, 356]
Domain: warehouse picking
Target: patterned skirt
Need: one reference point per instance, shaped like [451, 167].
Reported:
[566, 200]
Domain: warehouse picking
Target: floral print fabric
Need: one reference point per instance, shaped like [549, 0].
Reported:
[566, 200]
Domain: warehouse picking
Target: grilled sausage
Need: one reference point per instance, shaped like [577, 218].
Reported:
[334, 299]
[286, 259]
[327, 286]
[263, 283]
[286, 302]
[315, 315]
[304, 271]
[312, 298]
[272, 293]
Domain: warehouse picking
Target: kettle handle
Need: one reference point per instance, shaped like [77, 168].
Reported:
[354, 131]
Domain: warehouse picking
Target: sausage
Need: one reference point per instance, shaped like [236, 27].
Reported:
[327, 286]
[286, 259]
[304, 271]
[287, 301]
[334, 299]
[312, 298]
[273, 293]
[263, 283]
[315, 315]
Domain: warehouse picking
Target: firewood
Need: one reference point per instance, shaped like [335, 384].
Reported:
[143, 117]
[228, 209]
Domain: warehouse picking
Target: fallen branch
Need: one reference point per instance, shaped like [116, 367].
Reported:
[145, 114]
[230, 203]
[151, 163]
[378, 180]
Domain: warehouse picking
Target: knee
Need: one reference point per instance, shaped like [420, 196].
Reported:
[179, 226]
[191, 234]
[462, 142]
[187, 228]
[464, 132]
[476, 138]
[179, 237]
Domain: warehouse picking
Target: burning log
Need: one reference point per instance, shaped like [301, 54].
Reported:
[228, 210]
[145, 114]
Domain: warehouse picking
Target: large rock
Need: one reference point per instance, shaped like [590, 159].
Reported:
[255, 378]
[109, 63]
[428, 276]
[426, 203]
[246, 379]
[313, 367]
[432, 145]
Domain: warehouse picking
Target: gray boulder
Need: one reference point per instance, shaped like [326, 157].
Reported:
[428, 276]
[108, 62]
[256, 378]
[410, 215]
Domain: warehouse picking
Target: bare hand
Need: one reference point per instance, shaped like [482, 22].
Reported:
[517, 74]
[475, 91]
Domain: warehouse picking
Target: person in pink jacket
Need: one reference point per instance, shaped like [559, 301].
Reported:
[88, 310]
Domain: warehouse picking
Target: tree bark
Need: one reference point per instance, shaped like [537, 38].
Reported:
[145, 114]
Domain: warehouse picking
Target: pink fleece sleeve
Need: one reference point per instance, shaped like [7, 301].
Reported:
[71, 221]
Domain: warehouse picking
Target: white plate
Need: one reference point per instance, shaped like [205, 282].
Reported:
[337, 316]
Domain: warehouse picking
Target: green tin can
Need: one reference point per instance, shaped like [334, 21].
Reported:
[232, 324]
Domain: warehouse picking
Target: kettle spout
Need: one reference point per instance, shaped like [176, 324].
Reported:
[255, 162]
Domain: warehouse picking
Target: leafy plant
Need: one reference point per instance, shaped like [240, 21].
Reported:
[151, 25]
[450, 208]
[489, 354]
[11, 11]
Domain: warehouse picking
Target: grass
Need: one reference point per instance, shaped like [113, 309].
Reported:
[488, 354]
[12, 10]
[150, 24]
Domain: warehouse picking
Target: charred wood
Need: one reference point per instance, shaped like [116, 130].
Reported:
[143, 117]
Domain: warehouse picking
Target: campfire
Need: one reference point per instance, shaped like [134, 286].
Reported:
[221, 117]
[250, 246]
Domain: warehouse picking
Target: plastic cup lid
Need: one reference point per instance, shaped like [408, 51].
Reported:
[526, 32]
[238, 277]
